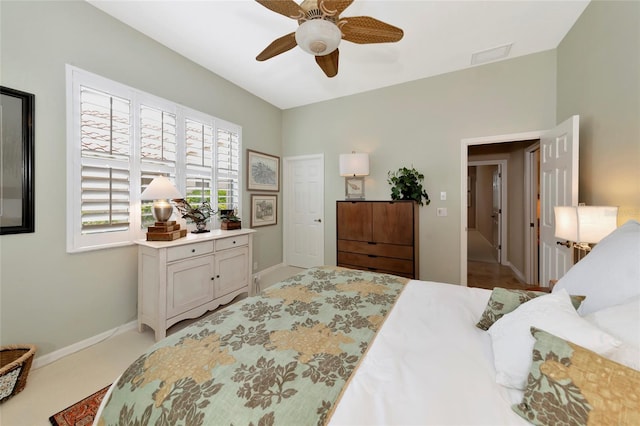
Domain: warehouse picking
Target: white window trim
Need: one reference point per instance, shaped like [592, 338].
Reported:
[75, 77]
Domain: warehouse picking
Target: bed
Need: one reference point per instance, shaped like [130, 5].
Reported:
[344, 347]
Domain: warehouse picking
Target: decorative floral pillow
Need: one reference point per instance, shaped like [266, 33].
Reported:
[569, 384]
[503, 301]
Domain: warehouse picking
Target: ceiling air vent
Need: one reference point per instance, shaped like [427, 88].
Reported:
[491, 55]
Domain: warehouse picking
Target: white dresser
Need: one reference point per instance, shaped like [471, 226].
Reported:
[189, 276]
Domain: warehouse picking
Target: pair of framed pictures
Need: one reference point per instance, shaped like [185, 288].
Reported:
[263, 174]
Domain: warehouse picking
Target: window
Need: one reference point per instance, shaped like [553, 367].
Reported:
[119, 139]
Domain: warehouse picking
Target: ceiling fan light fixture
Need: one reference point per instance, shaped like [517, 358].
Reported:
[318, 37]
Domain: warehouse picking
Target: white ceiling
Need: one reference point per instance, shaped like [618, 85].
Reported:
[439, 37]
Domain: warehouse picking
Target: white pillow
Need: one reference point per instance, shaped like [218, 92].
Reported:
[626, 354]
[513, 344]
[610, 274]
[621, 321]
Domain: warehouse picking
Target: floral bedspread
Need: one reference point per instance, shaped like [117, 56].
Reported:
[282, 357]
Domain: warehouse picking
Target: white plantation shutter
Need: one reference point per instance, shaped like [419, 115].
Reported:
[119, 140]
[199, 144]
[105, 124]
[199, 159]
[157, 136]
[228, 166]
[105, 199]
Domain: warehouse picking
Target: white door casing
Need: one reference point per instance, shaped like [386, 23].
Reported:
[531, 191]
[559, 187]
[496, 213]
[304, 210]
[512, 137]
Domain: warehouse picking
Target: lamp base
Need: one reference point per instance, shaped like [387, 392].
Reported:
[162, 210]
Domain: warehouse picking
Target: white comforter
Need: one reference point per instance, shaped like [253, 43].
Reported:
[430, 365]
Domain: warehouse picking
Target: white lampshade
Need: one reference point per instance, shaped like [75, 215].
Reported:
[318, 37]
[160, 188]
[585, 224]
[354, 164]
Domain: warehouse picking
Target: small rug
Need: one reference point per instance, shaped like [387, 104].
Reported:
[81, 413]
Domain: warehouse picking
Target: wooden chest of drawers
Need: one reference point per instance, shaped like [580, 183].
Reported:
[379, 236]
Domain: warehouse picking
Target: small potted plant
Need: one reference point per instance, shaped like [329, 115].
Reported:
[406, 184]
[229, 219]
[197, 215]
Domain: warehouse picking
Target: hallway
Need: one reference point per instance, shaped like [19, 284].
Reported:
[482, 268]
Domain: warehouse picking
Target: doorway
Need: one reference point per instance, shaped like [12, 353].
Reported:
[509, 151]
[486, 208]
[558, 177]
[303, 201]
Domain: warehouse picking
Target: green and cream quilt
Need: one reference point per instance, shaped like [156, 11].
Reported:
[282, 357]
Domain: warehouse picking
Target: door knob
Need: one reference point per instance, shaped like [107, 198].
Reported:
[317, 220]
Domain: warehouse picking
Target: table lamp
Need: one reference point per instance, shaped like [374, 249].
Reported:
[161, 190]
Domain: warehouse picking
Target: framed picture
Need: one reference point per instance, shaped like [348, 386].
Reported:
[354, 188]
[263, 171]
[17, 211]
[264, 210]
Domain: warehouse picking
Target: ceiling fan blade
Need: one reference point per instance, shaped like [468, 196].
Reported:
[329, 63]
[278, 46]
[288, 8]
[334, 7]
[364, 30]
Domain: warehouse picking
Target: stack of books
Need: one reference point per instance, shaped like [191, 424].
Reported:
[165, 231]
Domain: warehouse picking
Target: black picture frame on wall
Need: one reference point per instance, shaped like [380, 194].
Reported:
[17, 202]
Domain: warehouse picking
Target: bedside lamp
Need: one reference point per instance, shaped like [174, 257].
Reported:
[584, 225]
[160, 190]
[354, 167]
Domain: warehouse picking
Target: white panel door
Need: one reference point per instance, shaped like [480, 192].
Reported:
[304, 203]
[558, 187]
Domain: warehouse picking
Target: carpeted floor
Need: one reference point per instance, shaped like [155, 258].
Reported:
[81, 413]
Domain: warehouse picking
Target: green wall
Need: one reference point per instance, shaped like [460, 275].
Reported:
[55, 299]
[421, 123]
[51, 298]
[599, 79]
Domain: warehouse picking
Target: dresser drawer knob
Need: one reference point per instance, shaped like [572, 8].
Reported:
[193, 250]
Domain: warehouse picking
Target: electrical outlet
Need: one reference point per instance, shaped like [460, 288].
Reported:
[255, 266]
[441, 211]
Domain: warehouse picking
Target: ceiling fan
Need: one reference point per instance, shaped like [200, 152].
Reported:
[321, 28]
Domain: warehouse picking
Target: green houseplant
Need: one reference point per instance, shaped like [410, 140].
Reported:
[406, 184]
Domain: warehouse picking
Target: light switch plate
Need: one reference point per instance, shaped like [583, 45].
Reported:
[443, 196]
[441, 211]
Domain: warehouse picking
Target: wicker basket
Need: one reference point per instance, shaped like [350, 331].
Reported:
[15, 363]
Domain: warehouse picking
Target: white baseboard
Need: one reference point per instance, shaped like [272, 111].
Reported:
[519, 274]
[41, 361]
[271, 269]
